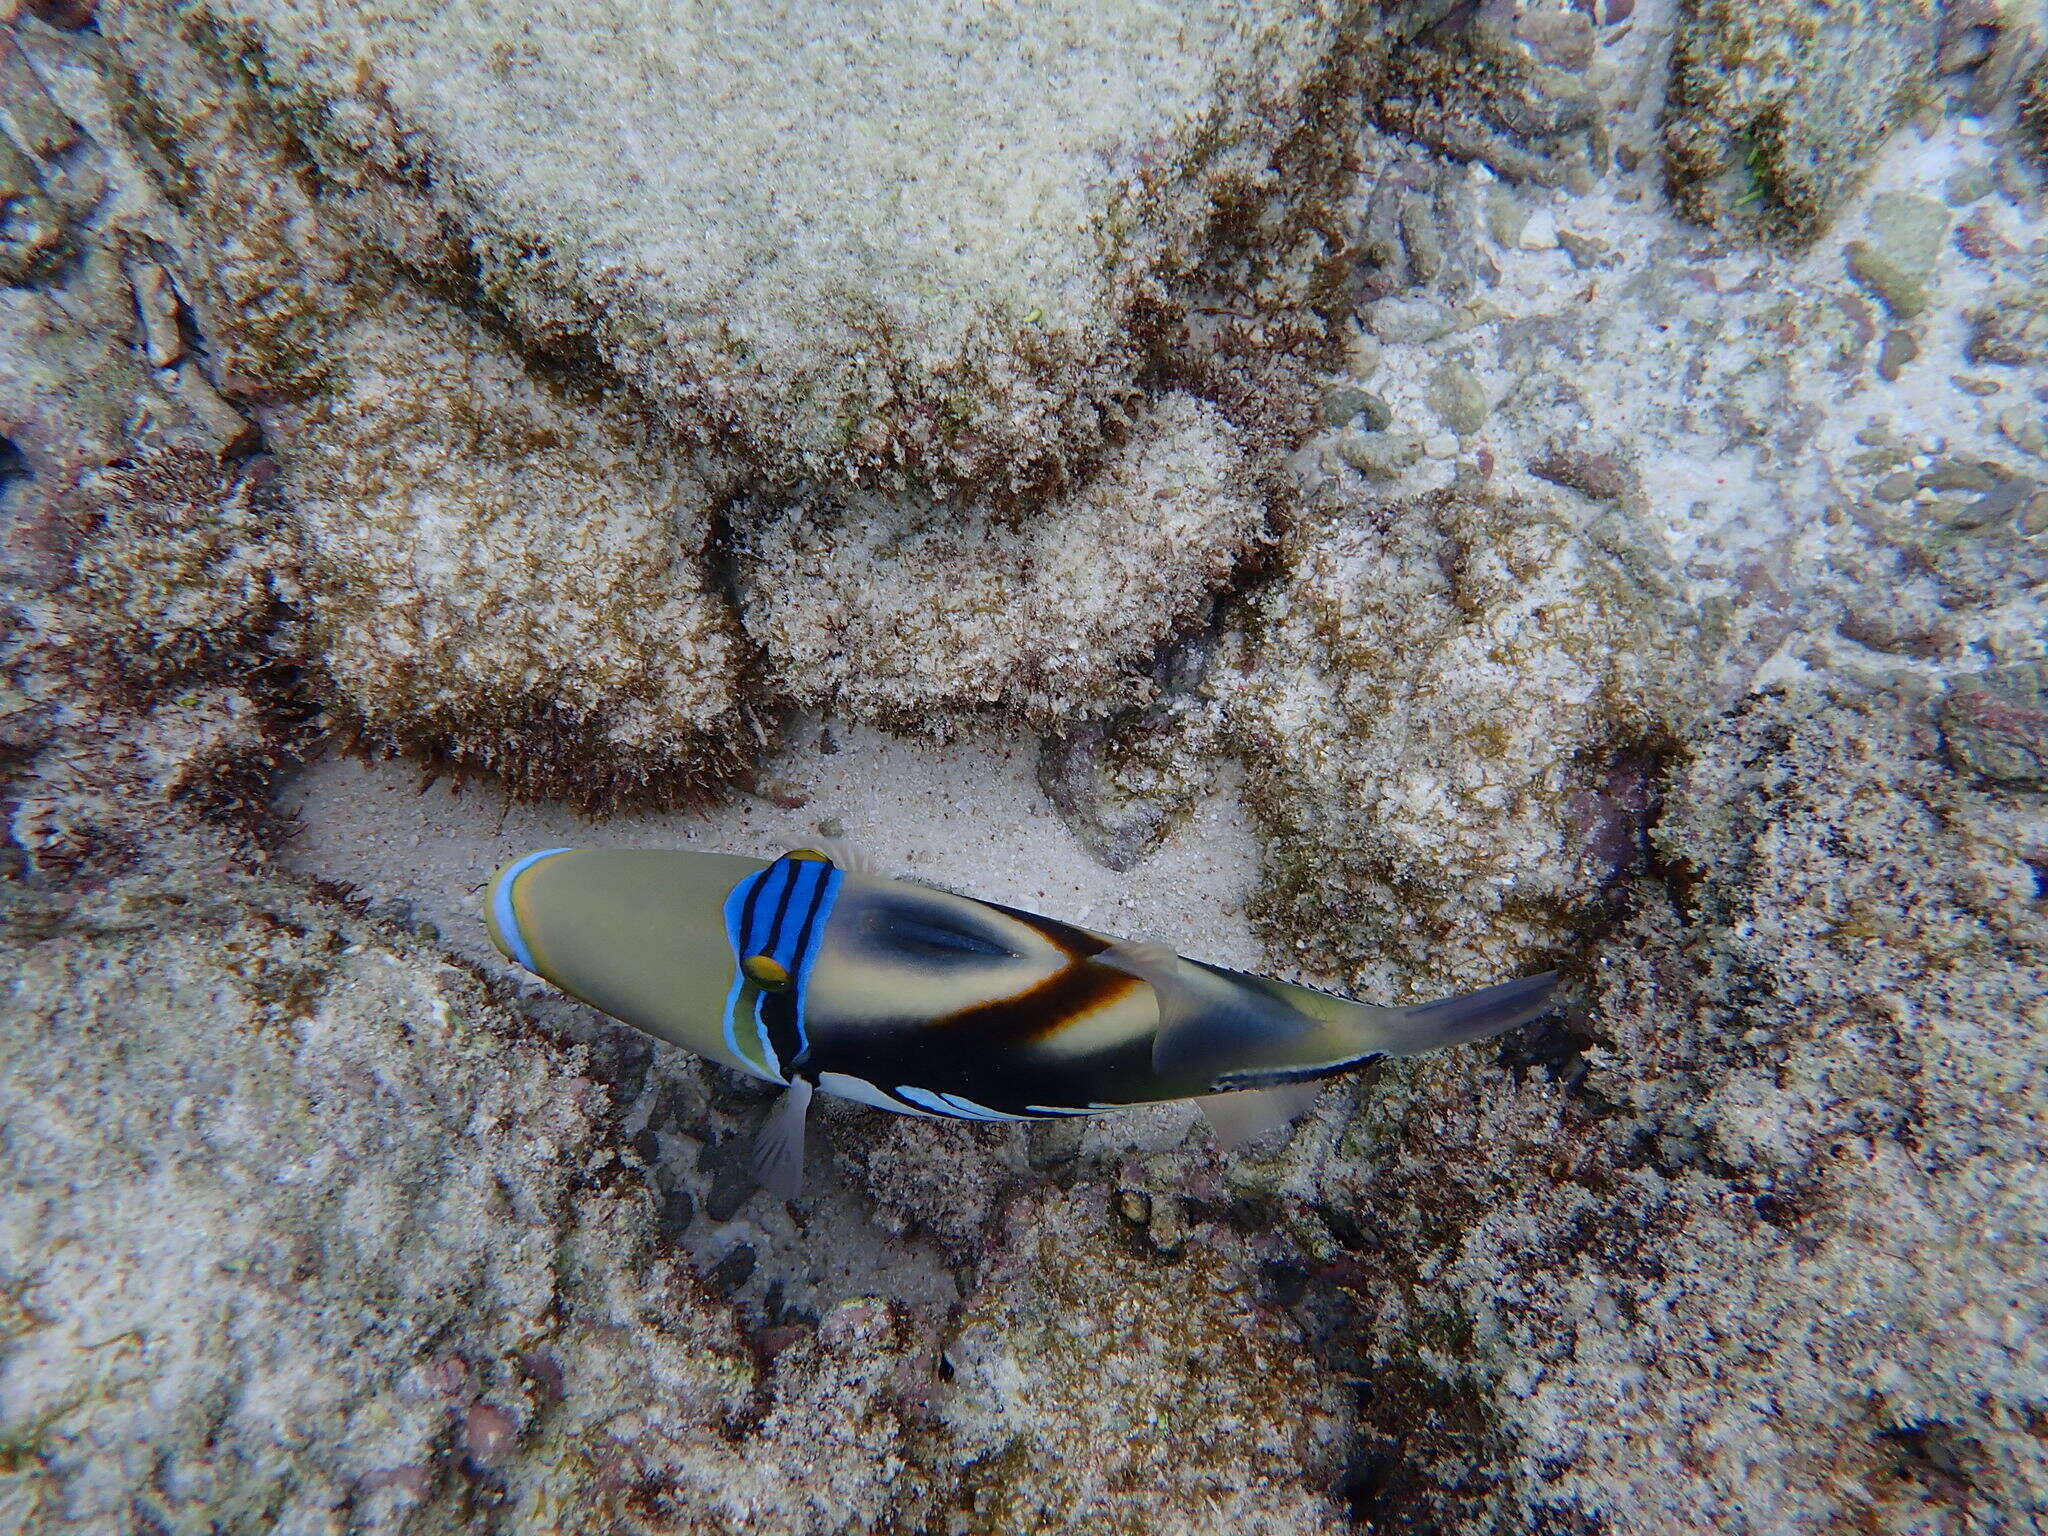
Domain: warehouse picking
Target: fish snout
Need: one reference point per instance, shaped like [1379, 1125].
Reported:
[638, 933]
[509, 908]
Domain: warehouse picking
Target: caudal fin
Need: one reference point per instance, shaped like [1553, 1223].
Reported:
[1474, 1016]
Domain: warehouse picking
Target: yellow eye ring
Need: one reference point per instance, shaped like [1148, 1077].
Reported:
[765, 972]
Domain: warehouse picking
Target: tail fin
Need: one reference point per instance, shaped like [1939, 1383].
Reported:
[1474, 1016]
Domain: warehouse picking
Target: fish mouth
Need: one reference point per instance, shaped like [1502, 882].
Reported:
[501, 909]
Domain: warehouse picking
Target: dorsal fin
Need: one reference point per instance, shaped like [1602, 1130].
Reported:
[1201, 1035]
[846, 857]
[1157, 966]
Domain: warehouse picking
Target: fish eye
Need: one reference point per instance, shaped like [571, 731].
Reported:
[765, 972]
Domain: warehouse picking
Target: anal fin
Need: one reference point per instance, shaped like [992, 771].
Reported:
[1236, 1119]
[778, 1161]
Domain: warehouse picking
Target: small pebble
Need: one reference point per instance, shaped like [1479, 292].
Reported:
[678, 1210]
[1420, 236]
[831, 826]
[1381, 455]
[1897, 350]
[1560, 38]
[2033, 517]
[1897, 257]
[1362, 354]
[157, 304]
[1895, 487]
[731, 1187]
[732, 1271]
[1996, 723]
[1585, 250]
[1971, 184]
[2006, 498]
[1411, 320]
[1166, 1230]
[1949, 511]
[1441, 445]
[1342, 402]
[1540, 233]
[1459, 399]
[1506, 214]
[1597, 475]
[1959, 475]
[2025, 429]
[1974, 386]
[783, 795]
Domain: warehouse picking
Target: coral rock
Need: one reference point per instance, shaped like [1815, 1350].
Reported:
[339, 1233]
[1997, 723]
[928, 243]
[912, 615]
[1781, 1253]
[1433, 702]
[1777, 105]
[505, 573]
[1123, 1394]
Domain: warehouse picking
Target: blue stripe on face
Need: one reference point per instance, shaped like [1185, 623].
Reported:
[779, 912]
[506, 916]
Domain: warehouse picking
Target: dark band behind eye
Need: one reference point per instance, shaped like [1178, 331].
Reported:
[918, 933]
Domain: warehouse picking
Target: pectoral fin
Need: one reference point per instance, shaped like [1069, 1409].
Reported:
[1202, 1035]
[1236, 1119]
[779, 1145]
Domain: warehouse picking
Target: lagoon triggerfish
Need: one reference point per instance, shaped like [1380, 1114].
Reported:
[810, 972]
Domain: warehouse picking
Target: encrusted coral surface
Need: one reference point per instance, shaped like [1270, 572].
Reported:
[1786, 1233]
[506, 571]
[914, 615]
[340, 1243]
[146, 583]
[1777, 104]
[1436, 702]
[506, 565]
[1136, 1393]
[926, 237]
